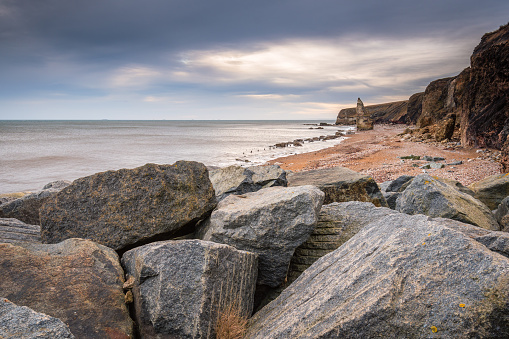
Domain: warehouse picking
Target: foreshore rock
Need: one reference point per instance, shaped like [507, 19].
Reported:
[240, 180]
[181, 287]
[76, 281]
[13, 231]
[27, 207]
[429, 196]
[271, 222]
[21, 322]
[395, 279]
[340, 184]
[124, 208]
[491, 190]
[337, 223]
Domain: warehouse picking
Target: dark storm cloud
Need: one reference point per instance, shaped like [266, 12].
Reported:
[293, 50]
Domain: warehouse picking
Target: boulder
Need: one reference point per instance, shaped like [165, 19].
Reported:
[400, 276]
[492, 190]
[337, 223]
[181, 287]
[340, 184]
[399, 184]
[501, 212]
[27, 207]
[271, 222]
[22, 322]
[430, 196]
[124, 208]
[76, 281]
[12, 231]
[240, 180]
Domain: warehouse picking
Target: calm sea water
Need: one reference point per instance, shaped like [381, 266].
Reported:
[33, 153]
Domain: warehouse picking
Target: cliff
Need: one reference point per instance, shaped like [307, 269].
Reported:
[392, 112]
[472, 107]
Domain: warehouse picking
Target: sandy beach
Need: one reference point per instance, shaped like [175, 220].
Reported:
[376, 153]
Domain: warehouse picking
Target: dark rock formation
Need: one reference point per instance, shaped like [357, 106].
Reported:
[392, 112]
[414, 108]
[21, 322]
[340, 184]
[240, 180]
[337, 223]
[429, 196]
[271, 222]
[362, 118]
[76, 281]
[400, 276]
[485, 109]
[491, 190]
[13, 231]
[27, 207]
[181, 287]
[130, 206]
[502, 214]
[437, 101]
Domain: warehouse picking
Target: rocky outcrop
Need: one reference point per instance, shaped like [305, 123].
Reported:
[27, 207]
[181, 287]
[485, 106]
[395, 279]
[22, 322]
[491, 190]
[429, 196]
[363, 120]
[414, 108]
[76, 281]
[240, 180]
[437, 101]
[271, 222]
[502, 214]
[340, 184]
[392, 112]
[123, 208]
[13, 231]
[337, 223]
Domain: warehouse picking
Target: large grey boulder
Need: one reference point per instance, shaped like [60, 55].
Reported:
[340, 184]
[337, 223]
[12, 231]
[27, 207]
[181, 287]
[399, 184]
[76, 281]
[399, 277]
[430, 196]
[492, 190]
[123, 208]
[21, 322]
[240, 180]
[502, 214]
[271, 222]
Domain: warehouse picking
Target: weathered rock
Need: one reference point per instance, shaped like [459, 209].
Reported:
[340, 184]
[502, 211]
[492, 190]
[12, 231]
[271, 222]
[391, 112]
[76, 281]
[240, 180]
[399, 277]
[363, 119]
[414, 108]
[22, 322]
[123, 208]
[399, 184]
[446, 128]
[181, 287]
[457, 185]
[27, 207]
[337, 223]
[485, 104]
[436, 103]
[429, 196]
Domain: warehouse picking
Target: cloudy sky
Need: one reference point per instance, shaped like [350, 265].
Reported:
[228, 59]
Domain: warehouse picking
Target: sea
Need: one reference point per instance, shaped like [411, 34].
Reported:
[34, 153]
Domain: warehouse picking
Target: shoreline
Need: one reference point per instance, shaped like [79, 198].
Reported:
[376, 153]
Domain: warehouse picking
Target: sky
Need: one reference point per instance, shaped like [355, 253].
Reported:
[228, 59]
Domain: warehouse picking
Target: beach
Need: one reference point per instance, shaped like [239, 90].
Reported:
[376, 153]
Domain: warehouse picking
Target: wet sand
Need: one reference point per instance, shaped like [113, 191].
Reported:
[376, 153]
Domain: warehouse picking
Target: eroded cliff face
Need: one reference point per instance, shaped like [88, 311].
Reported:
[485, 103]
[472, 107]
[392, 112]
